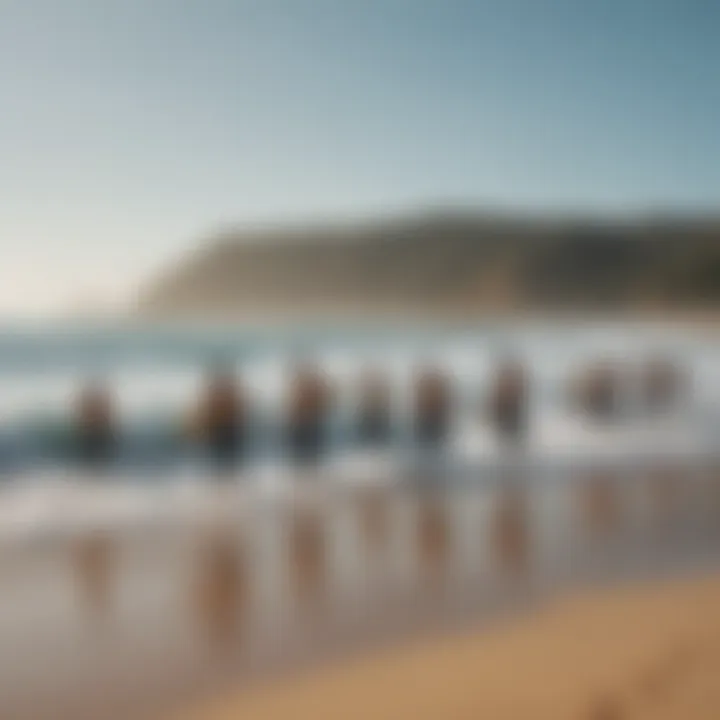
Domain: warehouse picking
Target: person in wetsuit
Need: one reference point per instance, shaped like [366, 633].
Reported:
[508, 402]
[662, 385]
[432, 408]
[223, 420]
[373, 425]
[95, 426]
[595, 391]
[306, 422]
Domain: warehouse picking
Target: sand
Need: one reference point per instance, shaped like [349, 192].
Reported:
[651, 651]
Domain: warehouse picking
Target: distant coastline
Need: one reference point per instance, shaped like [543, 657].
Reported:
[707, 319]
[448, 265]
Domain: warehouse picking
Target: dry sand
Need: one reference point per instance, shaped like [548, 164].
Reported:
[644, 652]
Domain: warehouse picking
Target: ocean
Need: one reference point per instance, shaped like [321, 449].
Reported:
[155, 374]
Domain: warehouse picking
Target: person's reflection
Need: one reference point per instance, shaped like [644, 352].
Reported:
[223, 420]
[509, 402]
[221, 590]
[433, 539]
[432, 407]
[307, 415]
[373, 425]
[96, 431]
[510, 531]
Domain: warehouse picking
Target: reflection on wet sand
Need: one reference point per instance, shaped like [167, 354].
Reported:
[600, 511]
[94, 559]
[666, 496]
[433, 539]
[498, 518]
[221, 588]
[373, 507]
[510, 533]
[308, 559]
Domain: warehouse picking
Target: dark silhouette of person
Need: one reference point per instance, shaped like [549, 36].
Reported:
[307, 415]
[223, 420]
[508, 402]
[373, 424]
[662, 383]
[95, 426]
[595, 391]
[432, 407]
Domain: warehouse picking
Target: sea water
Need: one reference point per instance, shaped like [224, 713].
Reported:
[156, 373]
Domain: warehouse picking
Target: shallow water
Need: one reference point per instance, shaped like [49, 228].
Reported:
[155, 374]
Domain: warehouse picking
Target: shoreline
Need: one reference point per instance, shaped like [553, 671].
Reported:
[626, 652]
[150, 652]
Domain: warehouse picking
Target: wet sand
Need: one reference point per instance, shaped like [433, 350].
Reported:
[647, 651]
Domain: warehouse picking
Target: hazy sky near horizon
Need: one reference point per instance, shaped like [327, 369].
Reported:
[129, 129]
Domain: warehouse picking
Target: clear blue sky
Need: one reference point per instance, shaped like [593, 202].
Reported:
[130, 128]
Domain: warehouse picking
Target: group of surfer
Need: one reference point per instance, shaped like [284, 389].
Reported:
[601, 388]
[222, 421]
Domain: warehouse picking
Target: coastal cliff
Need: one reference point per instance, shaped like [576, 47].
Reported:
[450, 261]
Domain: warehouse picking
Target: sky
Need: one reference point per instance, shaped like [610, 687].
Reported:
[130, 130]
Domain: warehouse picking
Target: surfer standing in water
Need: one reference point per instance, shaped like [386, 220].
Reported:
[373, 427]
[223, 420]
[596, 390]
[432, 408]
[509, 403]
[663, 385]
[307, 415]
[95, 426]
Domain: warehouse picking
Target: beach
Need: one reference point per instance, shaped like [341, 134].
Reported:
[641, 651]
[118, 599]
